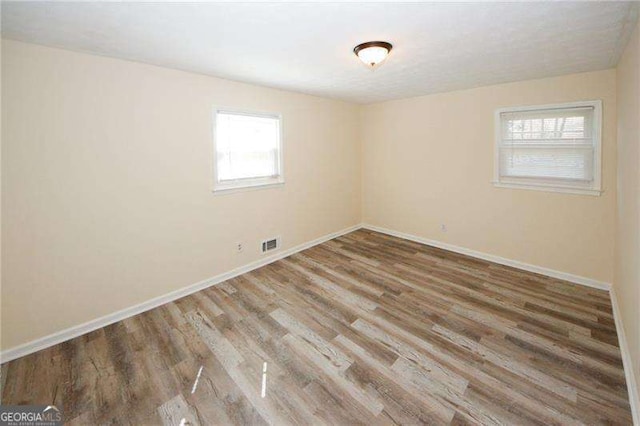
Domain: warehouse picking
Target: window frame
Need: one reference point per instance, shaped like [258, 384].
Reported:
[549, 185]
[245, 184]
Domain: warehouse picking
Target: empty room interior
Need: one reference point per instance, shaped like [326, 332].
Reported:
[311, 213]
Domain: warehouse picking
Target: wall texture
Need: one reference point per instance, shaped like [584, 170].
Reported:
[428, 161]
[106, 182]
[627, 270]
[106, 178]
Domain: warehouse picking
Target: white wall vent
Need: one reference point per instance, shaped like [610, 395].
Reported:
[271, 244]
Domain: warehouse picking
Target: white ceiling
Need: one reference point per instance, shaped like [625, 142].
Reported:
[307, 47]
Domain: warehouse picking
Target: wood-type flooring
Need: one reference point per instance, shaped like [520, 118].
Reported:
[363, 329]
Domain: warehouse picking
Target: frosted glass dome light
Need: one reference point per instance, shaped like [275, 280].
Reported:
[373, 53]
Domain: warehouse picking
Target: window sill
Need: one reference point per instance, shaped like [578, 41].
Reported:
[566, 190]
[224, 190]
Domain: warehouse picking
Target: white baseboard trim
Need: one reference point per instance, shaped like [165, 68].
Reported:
[70, 333]
[78, 330]
[576, 279]
[632, 386]
[627, 362]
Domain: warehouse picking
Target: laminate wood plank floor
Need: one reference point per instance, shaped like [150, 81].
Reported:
[363, 329]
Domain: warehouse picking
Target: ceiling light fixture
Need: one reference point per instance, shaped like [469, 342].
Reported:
[373, 53]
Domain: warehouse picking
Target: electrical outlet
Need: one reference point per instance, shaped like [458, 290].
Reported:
[239, 247]
[443, 227]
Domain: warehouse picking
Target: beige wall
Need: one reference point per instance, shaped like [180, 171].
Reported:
[428, 161]
[106, 179]
[106, 202]
[627, 271]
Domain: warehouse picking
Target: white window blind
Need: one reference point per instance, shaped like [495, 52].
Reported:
[555, 146]
[247, 150]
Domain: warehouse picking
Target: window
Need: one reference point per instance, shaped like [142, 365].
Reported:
[551, 147]
[248, 150]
